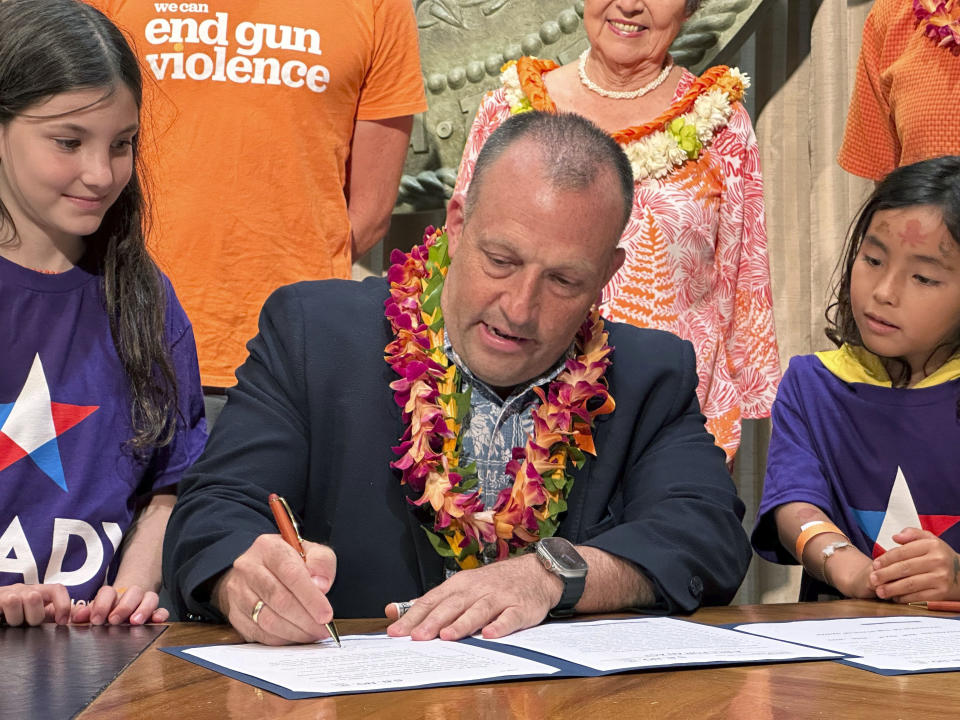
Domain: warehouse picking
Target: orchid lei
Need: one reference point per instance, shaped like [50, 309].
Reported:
[657, 148]
[434, 407]
[942, 19]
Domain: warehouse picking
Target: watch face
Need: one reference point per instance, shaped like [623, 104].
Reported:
[564, 554]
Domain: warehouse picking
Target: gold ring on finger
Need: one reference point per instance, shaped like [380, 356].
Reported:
[255, 615]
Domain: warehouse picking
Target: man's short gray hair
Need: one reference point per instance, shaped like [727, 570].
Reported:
[573, 154]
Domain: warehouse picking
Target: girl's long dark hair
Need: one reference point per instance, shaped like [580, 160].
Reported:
[933, 182]
[49, 47]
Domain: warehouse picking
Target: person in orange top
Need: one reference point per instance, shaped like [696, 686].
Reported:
[904, 104]
[696, 245]
[280, 130]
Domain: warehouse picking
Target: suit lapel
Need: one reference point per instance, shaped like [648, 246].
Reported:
[429, 563]
[571, 526]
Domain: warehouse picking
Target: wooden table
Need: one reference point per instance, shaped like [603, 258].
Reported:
[159, 685]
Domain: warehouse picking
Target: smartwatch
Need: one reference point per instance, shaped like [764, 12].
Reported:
[560, 557]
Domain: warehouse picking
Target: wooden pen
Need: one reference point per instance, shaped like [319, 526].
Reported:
[939, 605]
[291, 535]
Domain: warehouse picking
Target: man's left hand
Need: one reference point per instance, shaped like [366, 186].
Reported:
[498, 599]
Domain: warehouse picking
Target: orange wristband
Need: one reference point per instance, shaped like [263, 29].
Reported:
[811, 530]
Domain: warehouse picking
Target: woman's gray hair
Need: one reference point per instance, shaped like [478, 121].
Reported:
[691, 6]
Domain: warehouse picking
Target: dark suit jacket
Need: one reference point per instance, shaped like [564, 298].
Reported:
[313, 419]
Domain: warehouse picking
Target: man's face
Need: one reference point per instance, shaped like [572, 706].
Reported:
[526, 267]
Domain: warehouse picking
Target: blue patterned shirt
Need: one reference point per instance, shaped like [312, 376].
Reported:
[495, 426]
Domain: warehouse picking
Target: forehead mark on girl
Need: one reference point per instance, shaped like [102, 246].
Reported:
[913, 234]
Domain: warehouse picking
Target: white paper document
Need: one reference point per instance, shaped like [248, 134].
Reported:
[610, 645]
[368, 662]
[911, 644]
[371, 663]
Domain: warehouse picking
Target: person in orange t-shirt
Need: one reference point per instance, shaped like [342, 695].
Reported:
[280, 130]
[905, 99]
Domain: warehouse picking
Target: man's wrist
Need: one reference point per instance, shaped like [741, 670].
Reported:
[218, 592]
[562, 559]
[551, 584]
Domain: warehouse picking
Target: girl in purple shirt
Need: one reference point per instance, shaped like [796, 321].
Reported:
[860, 482]
[100, 403]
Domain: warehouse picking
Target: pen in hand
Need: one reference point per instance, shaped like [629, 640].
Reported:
[288, 531]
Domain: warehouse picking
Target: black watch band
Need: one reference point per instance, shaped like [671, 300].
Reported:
[561, 558]
[572, 592]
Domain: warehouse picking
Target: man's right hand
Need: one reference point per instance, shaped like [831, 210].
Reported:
[293, 592]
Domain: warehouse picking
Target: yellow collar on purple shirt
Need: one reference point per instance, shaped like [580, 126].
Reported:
[858, 365]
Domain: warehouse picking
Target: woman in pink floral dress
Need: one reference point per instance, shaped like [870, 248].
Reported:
[696, 242]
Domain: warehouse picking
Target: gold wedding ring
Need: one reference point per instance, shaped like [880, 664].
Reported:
[255, 615]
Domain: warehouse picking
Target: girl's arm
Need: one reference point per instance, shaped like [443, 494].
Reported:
[133, 595]
[847, 569]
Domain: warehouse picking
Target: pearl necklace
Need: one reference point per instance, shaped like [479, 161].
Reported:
[617, 94]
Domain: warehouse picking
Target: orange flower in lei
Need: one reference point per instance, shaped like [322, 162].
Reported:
[661, 146]
[434, 407]
[531, 71]
[714, 77]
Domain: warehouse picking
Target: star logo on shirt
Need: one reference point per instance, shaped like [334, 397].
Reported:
[901, 512]
[30, 426]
